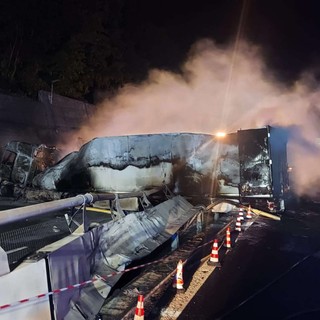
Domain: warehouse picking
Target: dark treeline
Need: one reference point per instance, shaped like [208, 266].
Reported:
[77, 45]
[88, 49]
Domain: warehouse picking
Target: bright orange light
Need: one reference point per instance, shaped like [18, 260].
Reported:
[221, 134]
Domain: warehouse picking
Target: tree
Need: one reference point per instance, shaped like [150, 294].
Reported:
[77, 42]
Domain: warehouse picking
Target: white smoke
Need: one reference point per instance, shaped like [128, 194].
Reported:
[217, 89]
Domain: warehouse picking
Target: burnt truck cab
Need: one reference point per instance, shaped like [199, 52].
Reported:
[264, 180]
[21, 161]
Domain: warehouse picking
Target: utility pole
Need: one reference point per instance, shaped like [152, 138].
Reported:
[51, 92]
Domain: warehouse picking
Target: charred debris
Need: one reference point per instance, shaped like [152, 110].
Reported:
[248, 165]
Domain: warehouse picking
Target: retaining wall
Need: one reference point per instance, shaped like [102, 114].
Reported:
[40, 121]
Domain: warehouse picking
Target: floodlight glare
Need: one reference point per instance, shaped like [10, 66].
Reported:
[220, 134]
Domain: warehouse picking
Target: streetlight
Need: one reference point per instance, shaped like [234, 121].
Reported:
[51, 92]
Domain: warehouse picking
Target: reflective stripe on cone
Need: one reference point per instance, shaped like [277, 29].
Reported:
[139, 314]
[214, 257]
[228, 239]
[238, 225]
[178, 283]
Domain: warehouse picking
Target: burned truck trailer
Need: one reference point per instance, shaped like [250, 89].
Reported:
[250, 165]
[264, 180]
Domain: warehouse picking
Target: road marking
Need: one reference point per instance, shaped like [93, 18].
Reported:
[181, 300]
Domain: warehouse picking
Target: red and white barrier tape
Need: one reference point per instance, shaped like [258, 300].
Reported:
[81, 284]
[43, 295]
[74, 286]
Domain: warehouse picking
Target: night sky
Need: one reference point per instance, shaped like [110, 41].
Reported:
[288, 31]
[100, 45]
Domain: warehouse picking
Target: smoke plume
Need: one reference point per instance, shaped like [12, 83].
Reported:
[218, 89]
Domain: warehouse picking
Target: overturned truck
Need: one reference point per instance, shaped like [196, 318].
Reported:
[250, 165]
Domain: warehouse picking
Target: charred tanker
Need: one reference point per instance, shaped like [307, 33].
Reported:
[250, 165]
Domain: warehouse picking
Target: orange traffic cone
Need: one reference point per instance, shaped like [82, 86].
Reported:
[238, 225]
[228, 239]
[179, 277]
[249, 213]
[241, 214]
[214, 257]
[139, 314]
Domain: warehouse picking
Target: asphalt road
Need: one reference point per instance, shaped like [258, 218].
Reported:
[272, 272]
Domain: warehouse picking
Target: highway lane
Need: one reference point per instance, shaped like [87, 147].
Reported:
[273, 272]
